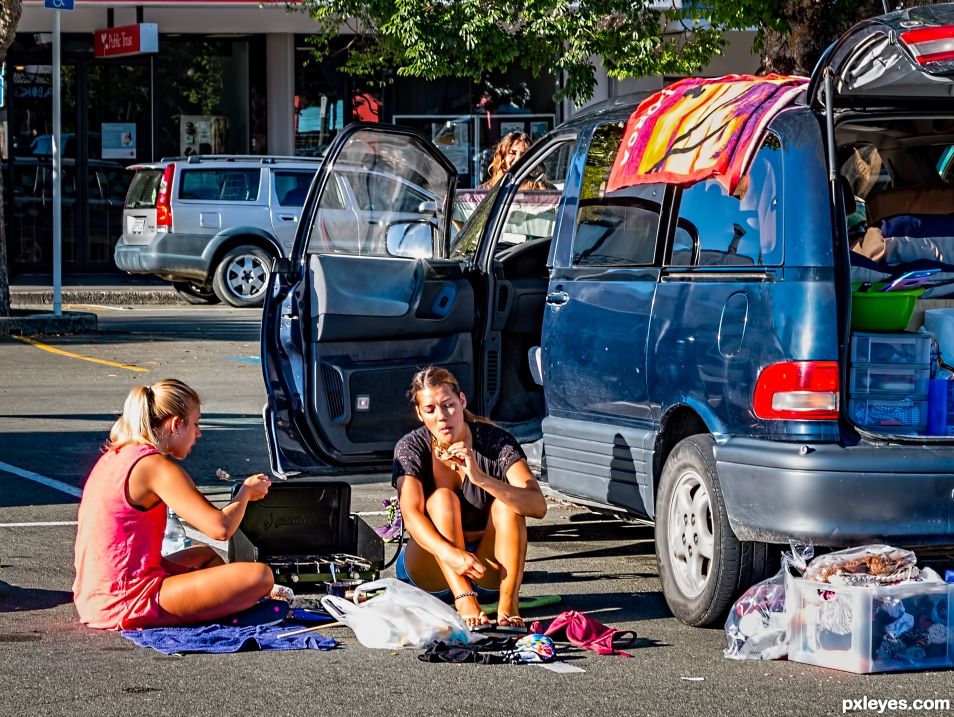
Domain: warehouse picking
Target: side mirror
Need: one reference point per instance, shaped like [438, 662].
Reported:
[411, 239]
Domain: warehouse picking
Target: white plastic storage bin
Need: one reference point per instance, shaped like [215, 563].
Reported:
[890, 378]
[903, 348]
[889, 413]
[870, 629]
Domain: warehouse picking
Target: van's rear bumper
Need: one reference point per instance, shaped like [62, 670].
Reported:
[838, 495]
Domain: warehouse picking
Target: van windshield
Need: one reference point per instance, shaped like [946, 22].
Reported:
[142, 192]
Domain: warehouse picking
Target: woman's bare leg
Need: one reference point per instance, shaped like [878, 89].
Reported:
[443, 509]
[211, 593]
[509, 533]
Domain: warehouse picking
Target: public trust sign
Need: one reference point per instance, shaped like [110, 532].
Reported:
[126, 40]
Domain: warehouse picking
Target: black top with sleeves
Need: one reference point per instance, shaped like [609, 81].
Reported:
[495, 450]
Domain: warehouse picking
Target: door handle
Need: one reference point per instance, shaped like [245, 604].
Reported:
[557, 298]
[287, 217]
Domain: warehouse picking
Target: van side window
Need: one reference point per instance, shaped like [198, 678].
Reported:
[716, 228]
[614, 228]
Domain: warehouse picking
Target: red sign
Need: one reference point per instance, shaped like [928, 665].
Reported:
[126, 40]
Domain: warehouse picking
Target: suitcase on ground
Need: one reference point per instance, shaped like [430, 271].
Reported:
[305, 531]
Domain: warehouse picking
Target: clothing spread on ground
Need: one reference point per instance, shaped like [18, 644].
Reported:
[700, 128]
[588, 633]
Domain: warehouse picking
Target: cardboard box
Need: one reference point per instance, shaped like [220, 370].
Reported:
[870, 629]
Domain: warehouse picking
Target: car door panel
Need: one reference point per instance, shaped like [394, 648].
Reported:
[371, 334]
[409, 298]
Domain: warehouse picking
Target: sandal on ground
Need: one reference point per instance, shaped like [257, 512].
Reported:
[515, 622]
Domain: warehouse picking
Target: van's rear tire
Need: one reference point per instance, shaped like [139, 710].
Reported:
[242, 276]
[702, 565]
[193, 293]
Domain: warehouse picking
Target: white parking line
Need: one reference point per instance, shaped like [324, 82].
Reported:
[43, 480]
[195, 535]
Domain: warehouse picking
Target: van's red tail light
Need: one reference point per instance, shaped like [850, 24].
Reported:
[799, 390]
[930, 44]
[164, 200]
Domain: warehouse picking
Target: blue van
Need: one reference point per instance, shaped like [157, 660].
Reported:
[686, 355]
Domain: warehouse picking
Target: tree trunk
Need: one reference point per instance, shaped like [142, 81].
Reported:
[9, 19]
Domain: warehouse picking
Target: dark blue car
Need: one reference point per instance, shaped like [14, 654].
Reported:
[685, 354]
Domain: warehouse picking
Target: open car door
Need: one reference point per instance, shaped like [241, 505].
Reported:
[366, 299]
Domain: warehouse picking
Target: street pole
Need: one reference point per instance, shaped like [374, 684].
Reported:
[57, 174]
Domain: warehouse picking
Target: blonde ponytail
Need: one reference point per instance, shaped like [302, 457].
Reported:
[147, 407]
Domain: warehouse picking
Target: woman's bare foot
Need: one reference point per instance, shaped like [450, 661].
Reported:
[469, 609]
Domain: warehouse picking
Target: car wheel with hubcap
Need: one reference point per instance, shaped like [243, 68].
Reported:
[241, 278]
[193, 293]
[702, 565]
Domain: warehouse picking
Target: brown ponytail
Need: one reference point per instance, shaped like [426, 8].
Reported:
[434, 376]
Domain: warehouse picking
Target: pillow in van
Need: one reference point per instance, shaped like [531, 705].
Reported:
[918, 225]
[933, 199]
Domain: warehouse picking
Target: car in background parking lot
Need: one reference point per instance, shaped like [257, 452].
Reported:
[213, 225]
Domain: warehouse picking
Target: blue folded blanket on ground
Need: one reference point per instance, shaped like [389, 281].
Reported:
[225, 638]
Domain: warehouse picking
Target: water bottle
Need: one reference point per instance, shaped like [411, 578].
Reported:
[175, 538]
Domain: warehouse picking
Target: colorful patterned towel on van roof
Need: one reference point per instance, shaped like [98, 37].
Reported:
[699, 128]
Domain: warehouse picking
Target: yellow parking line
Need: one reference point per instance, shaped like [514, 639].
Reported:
[70, 354]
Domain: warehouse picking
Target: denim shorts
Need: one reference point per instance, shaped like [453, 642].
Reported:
[484, 595]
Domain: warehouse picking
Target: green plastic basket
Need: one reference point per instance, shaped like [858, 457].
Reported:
[876, 310]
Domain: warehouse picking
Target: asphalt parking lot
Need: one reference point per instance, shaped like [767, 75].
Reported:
[58, 396]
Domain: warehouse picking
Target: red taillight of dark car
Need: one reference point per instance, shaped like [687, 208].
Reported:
[798, 390]
[163, 200]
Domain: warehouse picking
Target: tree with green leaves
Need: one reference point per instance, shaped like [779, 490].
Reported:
[430, 39]
[9, 19]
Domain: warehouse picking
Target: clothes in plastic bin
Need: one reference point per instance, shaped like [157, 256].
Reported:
[890, 378]
[902, 347]
[870, 629]
[889, 412]
[305, 531]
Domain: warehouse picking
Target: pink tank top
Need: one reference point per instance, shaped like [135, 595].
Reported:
[118, 546]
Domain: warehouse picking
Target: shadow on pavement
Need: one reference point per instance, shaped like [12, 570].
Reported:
[14, 598]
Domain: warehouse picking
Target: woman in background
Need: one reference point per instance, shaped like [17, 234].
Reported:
[509, 149]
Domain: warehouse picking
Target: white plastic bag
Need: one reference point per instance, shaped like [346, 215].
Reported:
[398, 615]
[757, 626]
